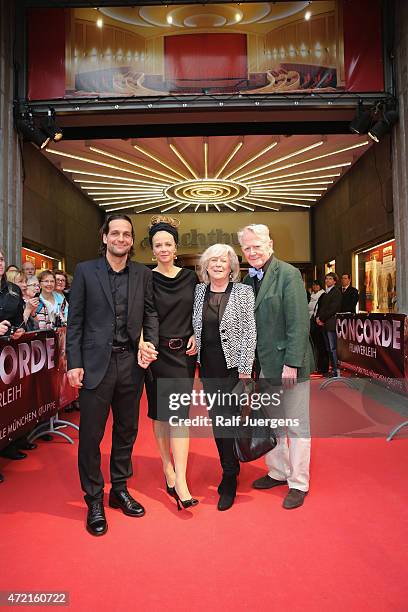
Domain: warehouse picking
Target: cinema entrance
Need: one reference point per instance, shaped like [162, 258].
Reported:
[277, 113]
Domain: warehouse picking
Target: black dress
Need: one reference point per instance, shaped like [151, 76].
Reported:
[174, 299]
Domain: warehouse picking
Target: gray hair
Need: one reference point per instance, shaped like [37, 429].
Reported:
[260, 230]
[216, 250]
[33, 280]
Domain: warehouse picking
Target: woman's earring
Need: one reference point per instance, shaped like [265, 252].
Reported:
[154, 258]
[230, 276]
[175, 255]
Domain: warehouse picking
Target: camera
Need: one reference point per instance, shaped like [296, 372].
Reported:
[13, 328]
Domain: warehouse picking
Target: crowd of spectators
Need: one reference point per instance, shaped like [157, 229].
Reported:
[30, 302]
[324, 304]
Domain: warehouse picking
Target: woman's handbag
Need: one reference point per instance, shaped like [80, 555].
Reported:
[254, 437]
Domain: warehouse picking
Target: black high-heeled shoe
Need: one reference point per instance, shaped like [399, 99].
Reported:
[187, 503]
[170, 490]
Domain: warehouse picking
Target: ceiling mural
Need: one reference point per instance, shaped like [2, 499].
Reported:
[247, 49]
[204, 16]
[214, 174]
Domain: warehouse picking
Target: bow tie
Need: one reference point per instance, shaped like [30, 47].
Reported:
[254, 272]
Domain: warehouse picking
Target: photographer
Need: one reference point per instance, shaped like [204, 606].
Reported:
[12, 326]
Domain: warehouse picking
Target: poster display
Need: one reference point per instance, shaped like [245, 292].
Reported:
[377, 278]
[263, 48]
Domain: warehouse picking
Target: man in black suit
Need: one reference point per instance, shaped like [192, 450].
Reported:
[111, 300]
[349, 294]
[329, 304]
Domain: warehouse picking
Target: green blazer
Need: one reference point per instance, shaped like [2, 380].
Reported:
[282, 321]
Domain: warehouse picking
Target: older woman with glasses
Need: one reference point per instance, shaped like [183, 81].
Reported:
[53, 308]
[224, 325]
[30, 301]
[62, 284]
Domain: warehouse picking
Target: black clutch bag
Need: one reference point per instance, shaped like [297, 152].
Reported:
[253, 436]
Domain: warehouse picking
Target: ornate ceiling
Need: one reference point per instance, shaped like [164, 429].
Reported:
[257, 17]
[224, 174]
[204, 16]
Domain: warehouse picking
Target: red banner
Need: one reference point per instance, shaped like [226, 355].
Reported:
[375, 346]
[46, 53]
[363, 61]
[33, 382]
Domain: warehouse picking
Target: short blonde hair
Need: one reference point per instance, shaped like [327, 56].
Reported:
[216, 250]
[20, 277]
[260, 230]
[11, 275]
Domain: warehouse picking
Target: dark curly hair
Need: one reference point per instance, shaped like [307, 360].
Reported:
[105, 230]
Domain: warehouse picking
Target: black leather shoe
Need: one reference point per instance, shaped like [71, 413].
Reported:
[11, 452]
[294, 499]
[228, 487]
[170, 490]
[124, 501]
[186, 503]
[96, 521]
[225, 502]
[266, 482]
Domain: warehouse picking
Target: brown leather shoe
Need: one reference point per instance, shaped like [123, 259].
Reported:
[266, 482]
[294, 499]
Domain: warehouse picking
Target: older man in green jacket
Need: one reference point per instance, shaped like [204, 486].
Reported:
[284, 356]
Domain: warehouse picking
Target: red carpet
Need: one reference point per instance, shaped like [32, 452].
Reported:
[346, 548]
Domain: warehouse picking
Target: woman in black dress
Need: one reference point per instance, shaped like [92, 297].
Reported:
[174, 295]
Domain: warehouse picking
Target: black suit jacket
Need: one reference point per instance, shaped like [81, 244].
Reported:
[329, 304]
[91, 317]
[349, 299]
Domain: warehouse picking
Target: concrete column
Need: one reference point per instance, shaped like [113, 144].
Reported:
[11, 171]
[400, 154]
